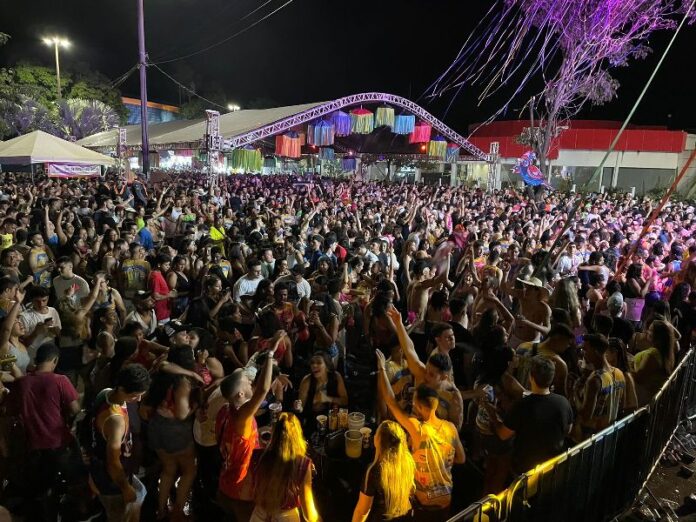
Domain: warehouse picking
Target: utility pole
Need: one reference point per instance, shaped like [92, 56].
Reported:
[142, 61]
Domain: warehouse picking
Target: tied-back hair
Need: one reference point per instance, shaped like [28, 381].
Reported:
[397, 469]
[663, 340]
[280, 465]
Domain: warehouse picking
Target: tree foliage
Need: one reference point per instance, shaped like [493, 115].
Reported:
[28, 101]
[573, 45]
[79, 118]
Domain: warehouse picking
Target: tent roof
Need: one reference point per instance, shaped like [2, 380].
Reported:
[41, 147]
[109, 138]
[190, 131]
[232, 124]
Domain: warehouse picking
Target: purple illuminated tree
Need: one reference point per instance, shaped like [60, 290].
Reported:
[572, 44]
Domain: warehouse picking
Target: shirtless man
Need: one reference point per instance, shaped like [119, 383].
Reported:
[420, 287]
[534, 319]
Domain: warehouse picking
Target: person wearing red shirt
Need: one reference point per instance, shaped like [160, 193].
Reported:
[44, 400]
[161, 292]
[238, 436]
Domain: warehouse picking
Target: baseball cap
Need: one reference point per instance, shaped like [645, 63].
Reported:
[616, 301]
[174, 327]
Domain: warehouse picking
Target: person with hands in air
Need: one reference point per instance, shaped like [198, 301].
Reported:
[238, 435]
[435, 446]
[435, 374]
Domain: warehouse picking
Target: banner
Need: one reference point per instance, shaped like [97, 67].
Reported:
[66, 170]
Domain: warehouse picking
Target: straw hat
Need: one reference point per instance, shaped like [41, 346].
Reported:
[536, 283]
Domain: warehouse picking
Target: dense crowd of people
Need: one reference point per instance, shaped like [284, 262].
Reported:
[149, 332]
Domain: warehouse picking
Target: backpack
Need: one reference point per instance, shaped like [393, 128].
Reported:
[524, 365]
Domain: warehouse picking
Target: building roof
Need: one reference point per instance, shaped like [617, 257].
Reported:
[109, 139]
[581, 135]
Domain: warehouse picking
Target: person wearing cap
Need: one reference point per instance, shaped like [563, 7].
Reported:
[622, 329]
[177, 333]
[144, 313]
[534, 318]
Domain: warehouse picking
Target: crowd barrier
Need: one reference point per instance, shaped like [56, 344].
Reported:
[600, 478]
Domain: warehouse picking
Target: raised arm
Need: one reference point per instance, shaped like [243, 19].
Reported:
[415, 365]
[263, 385]
[386, 392]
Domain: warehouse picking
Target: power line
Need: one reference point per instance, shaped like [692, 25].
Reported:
[118, 81]
[212, 46]
[205, 25]
[187, 89]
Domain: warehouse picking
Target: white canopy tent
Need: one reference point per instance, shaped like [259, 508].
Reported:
[41, 147]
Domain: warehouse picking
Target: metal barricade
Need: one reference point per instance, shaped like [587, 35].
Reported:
[601, 477]
[484, 510]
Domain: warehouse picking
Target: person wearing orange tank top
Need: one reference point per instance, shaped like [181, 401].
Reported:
[238, 436]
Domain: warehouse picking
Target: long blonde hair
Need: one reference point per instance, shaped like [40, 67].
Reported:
[280, 464]
[397, 469]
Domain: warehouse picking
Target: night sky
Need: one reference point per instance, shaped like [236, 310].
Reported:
[312, 50]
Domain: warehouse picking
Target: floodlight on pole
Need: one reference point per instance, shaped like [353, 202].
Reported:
[57, 42]
[233, 108]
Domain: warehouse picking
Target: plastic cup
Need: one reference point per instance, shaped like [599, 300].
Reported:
[321, 422]
[365, 432]
[276, 408]
[265, 436]
[356, 420]
[353, 444]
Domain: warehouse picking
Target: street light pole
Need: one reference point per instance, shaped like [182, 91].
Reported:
[56, 42]
[55, 45]
[142, 61]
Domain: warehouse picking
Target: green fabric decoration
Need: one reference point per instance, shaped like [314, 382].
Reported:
[437, 148]
[384, 117]
[248, 160]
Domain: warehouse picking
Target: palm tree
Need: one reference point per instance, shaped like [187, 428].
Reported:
[25, 115]
[78, 118]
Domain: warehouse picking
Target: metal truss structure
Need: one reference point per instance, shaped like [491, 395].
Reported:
[368, 97]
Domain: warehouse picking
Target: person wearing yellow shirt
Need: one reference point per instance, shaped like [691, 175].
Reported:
[7, 239]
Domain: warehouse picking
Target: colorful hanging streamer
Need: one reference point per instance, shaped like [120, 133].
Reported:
[269, 162]
[248, 160]
[421, 133]
[327, 153]
[323, 134]
[437, 147]
[362, 121]
[310, 134]
[349, 164]
[341, 122]
[384, 117]
[404, 124]
[288, 145]
[452, 152]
